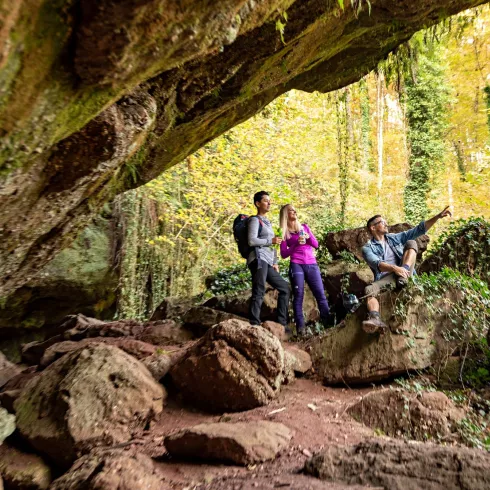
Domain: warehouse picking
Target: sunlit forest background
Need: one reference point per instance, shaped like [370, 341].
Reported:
[404, 142]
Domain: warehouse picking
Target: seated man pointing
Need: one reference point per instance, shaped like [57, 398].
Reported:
[391, 257]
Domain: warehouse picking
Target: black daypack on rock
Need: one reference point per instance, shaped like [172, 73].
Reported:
[240, 233]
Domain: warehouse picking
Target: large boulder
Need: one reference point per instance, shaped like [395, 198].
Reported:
[160, 363]
[172, 308]
[354, 239]
[80, 278]
[97, 395]
[111, 470]
[300, 360]
[348, 354]
[238, 304]
[201, 318]
[23, 471]
[335, 274]
[165, 332]
[8, 370]
[239, 443]
[133, 347]
[130, 335]
[234, 367]
[401, 465]
[428, 415]
[7, 424]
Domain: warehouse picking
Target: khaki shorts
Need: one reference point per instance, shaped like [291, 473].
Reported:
[377, 286]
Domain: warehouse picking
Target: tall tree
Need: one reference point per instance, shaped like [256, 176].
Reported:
[380, 112]
[427, 98]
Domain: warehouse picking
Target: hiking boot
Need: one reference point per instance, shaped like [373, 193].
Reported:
[374, 324]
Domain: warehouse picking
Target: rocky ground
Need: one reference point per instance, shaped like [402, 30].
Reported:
[140, 405]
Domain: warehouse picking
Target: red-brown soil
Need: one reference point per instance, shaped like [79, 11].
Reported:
[316, 414]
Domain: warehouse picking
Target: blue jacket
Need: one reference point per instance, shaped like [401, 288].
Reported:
[373, 250]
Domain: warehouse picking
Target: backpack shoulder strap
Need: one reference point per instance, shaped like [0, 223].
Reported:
[261, 224]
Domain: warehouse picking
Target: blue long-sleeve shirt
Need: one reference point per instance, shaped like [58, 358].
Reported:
[373, 252]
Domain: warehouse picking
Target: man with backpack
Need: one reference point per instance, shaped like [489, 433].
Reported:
[262, 258]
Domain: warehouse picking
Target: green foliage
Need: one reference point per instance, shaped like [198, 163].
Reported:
[343, 148]
[357, 5]
[230, 280]
[427, 99]
[486, 90]
[281, 26]
[475, 431]
[366, 141]
[349, 257]
[464, 246]
[234, 279]
[465, 301]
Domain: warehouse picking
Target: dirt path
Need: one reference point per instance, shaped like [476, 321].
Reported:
[314, 412]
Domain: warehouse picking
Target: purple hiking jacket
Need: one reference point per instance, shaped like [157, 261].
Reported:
[300, 254]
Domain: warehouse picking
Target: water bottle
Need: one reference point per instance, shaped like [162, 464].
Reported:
[302, 239]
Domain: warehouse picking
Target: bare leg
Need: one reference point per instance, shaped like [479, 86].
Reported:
[408, 258]
[372, 304]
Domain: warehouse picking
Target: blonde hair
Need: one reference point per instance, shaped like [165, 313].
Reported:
[283, 223]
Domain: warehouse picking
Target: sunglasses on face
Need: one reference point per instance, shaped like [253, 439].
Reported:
[380, 221]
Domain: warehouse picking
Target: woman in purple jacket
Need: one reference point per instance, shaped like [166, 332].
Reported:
[298, 242]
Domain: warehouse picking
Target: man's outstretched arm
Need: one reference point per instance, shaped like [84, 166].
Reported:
[431, 222]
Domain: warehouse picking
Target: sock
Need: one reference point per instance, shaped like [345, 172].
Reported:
[405, 266]
[374, 314]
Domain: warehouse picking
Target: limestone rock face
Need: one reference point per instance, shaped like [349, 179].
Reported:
[79, 279]
[400, 465]
[97, 395]
[239, 443]
[348, 354]
[109, 470]
[400, 413]
[23, 471]
[234, 367]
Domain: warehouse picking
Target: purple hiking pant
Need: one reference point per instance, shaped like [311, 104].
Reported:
[299, 273]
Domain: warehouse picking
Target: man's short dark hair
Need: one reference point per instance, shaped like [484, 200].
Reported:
[370, 220]
[259, 195]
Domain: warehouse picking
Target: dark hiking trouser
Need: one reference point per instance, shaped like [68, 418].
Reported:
[259, 277]
[299, 273]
